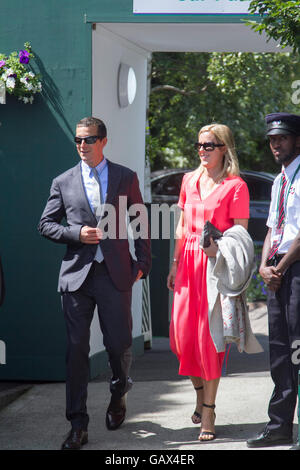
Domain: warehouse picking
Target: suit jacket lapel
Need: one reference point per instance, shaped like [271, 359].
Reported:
[114, 177]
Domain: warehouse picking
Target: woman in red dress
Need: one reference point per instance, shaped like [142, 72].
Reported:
[213, 192]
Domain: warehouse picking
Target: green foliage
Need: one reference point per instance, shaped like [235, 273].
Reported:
[279, 19]
[190, 90]
[257, 289]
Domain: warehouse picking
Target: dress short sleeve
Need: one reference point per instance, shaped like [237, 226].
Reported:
[182, 194]
[239, 205]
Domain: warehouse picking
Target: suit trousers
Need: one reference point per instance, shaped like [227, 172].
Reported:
[284, 329]
[114, 311]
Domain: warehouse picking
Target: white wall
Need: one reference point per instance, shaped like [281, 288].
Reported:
[125, 127]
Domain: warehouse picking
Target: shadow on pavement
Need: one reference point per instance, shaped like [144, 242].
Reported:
[159, 363]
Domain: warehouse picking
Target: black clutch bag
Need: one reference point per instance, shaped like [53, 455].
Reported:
[209, 231]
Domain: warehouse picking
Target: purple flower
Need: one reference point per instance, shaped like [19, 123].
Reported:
[2, 63]
[24, 57]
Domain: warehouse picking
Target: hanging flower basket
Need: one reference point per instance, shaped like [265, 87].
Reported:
[17, 78]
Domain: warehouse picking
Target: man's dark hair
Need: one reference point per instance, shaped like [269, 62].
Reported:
[91, 121]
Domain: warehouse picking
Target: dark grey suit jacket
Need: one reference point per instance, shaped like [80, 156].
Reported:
[68, 201]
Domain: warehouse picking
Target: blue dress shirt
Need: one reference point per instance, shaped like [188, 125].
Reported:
[87, 176]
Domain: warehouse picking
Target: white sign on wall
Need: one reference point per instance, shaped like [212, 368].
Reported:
[191, 7]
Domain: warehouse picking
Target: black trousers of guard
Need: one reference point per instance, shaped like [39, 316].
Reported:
[114, 311]
[284, 330]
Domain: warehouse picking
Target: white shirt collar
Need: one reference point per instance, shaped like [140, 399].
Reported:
[88, 170]
[292, 167]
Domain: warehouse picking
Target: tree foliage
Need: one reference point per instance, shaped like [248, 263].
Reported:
[190, 90]
[279, 19]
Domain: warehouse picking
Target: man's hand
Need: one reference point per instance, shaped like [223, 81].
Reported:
[271, 277]
[139, 275]
[90, 235]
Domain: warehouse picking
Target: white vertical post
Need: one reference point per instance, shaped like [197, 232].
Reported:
[2, 352]
[2, 92]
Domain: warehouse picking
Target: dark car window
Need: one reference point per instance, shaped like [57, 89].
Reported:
[169, 185]
[259, 190]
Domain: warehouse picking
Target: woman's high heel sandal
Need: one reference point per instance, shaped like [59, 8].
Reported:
[207, 436]
[196, 417]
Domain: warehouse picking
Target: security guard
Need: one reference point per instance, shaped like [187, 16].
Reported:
[280, 270]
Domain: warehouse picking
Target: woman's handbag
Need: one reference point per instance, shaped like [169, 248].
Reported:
[209, 231]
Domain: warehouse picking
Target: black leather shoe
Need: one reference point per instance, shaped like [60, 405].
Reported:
[269, 439]
[75, 439]
[115, 413]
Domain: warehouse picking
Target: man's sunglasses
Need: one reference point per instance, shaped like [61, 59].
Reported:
[88, 140]
[208, 146]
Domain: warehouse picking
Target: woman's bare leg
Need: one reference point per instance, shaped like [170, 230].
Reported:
[198, 386]
[208, 414]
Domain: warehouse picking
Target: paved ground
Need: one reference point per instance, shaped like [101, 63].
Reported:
[159, 406]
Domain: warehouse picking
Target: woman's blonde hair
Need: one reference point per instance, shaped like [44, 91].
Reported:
[224, 135]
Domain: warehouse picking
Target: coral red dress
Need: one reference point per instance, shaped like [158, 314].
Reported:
[190, 337]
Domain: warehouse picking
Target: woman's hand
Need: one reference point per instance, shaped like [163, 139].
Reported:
[211, 250]
[172, 276]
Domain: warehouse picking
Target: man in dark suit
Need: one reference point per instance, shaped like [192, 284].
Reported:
[96, 270]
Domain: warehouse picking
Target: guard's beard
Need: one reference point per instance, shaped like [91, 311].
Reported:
[287, 158]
